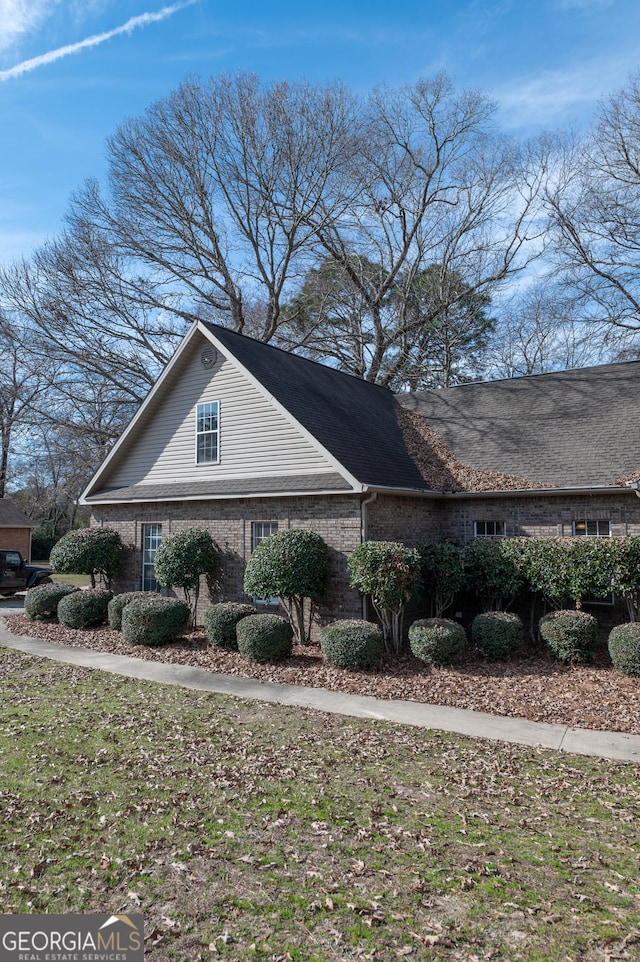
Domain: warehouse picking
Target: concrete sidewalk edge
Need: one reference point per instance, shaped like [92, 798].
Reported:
[611, 745]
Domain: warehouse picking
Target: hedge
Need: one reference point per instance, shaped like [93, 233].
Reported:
[154, 621]
[624, 648]
[352, 644]
[437, 641]
[497, 634]
[118, 603]
[264, 638]
[570, 634]
[42, 601]
[220, 623]
[84, 609]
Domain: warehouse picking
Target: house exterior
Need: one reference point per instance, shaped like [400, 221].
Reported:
[245, 439]
[15, 529]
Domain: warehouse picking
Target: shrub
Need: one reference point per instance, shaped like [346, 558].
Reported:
[291, 565]
[220, 623]
[42, 602]
[352, 644]
[570, 634]
[182, 558]
[84, 609]
[624, 648]
[497, 634]
[154, 621]
[264, 637]
[437, 641]
[89, 551]
[442, 566]
[492, 571]
[117, 604]
[389, 573]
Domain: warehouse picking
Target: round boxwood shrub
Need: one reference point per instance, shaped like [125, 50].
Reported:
[264, 638]
[220, 623]
[352, 644]
[570, 635]
[119, 602]
[154, 621]
[624, 648]
[497, 634]
[42, 602]
[437, 641]
[84, 609]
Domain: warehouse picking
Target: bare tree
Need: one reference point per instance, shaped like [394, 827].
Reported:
[434, 183]
[538, 331]
[221, 188]
[22, 383]
[593, 201]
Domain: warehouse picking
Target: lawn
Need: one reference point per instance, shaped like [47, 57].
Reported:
[247, 831]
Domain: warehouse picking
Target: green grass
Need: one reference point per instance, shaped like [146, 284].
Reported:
[247, 831]
[81, 581]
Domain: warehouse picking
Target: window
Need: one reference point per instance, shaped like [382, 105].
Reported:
[259, 531]
[489, 529]
[592, 529]
[151, 538]
[207, 433]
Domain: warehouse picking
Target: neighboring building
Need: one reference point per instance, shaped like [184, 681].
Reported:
[245, 439]
[15, 529]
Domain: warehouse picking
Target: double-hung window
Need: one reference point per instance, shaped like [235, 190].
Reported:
[208, 433]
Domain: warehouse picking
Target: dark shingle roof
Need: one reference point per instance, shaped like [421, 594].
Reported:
[12, 517]
[566, 429]
[354, 420]
[237, 487]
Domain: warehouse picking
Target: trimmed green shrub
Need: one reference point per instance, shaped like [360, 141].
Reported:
[264, 638]
[89, 551]
[624, 648]
[437, 641]
[154, 621]
[570, 634]
[84, 609]
[118, 603]
[389, 572]
[497, 634]
[352, 644]
[220, 623]
[291, 565]
[492, 571]
[443, 575]
[41, 602]
[182, 558]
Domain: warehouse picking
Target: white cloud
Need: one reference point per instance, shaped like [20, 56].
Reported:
[133, 23]
[556, 96]
[20, 17]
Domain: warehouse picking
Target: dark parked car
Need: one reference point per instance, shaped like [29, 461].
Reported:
[15, 575]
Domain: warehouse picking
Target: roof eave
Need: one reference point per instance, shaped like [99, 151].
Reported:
[548, 492]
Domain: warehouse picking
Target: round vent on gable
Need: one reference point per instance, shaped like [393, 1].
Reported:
[209, 356]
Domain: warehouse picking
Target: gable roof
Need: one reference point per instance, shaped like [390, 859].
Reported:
[567, 429]
[12, 517]
[357, 422]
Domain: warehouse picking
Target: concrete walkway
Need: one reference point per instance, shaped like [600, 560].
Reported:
[612, 745]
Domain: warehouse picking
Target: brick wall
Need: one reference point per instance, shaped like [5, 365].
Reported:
[336, 519]
[16, 539]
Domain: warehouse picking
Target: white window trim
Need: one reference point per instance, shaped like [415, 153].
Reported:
[145, 564]
[254, 545]
[489, 521]
[198, 433]
[585, 522]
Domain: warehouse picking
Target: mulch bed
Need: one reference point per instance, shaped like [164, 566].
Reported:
[536, 687]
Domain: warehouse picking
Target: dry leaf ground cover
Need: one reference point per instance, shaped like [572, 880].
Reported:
[536, 687]
[247, 831]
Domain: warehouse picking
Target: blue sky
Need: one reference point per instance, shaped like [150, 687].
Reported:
[71, 70]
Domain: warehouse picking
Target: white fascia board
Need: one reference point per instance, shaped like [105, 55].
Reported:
[140, 413]
[340, 468]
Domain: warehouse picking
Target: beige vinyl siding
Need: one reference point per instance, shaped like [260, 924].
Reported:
[255, 439]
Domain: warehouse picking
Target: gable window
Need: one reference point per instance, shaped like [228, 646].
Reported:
[592, 529]
[489, 529]
[207, 433]
[259, 531]
[151, 538]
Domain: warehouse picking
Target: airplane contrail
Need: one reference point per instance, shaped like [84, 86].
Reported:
[140, 21]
